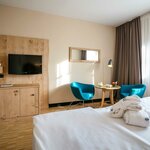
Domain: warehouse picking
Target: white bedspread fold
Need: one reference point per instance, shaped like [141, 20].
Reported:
[137, 118]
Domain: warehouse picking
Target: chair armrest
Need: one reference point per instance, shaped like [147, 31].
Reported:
[137, 91]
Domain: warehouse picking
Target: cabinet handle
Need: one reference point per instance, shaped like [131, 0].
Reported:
[16, 91]
[32, 94]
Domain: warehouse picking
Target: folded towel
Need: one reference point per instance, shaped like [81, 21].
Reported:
[128, 103]
[133, 98]
[132, 105]
[148, 112]
[117, 109]
[137, 118]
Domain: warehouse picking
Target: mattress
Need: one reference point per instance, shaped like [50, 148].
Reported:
[88, 129]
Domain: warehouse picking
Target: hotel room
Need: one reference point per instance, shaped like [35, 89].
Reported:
[55, 54]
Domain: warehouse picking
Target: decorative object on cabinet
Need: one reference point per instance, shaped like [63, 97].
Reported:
[1, 71]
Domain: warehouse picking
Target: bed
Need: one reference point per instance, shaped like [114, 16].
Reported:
[88, 129]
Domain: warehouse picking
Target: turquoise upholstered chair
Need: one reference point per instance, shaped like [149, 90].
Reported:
[128, 90]
[82, 91]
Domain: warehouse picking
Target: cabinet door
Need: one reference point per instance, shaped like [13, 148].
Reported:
[28, 101]
[2, 106]
[9, 103]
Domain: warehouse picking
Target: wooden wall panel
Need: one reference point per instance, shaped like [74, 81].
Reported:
[26, 45]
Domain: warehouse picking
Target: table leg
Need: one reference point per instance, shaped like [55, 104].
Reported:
[112, 97]
[103, 98]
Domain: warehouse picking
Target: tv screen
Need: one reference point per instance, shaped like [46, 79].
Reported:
[24, 64]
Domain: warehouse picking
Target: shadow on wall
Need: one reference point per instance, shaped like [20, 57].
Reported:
[62, 94]
[66, 73]
[62, 74]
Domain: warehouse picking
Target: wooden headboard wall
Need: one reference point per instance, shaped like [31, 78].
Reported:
[26, 45]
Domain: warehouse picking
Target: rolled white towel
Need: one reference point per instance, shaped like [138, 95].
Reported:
[135, 98]
[132, 105]
[117, 110]
[117, 113]
[148, 112]
[137, 118]
[128, 103]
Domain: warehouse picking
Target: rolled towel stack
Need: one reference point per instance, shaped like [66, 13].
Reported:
[132, 105]
[133, 98]
[117, 109]
[137, 118]
[128, 103]
[130, 108]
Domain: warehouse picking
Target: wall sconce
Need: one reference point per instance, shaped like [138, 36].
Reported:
[1, 71]
[110, 63]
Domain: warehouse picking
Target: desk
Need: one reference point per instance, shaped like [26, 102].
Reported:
[111, 92]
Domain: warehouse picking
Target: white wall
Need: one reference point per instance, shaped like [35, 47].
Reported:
[63, 33]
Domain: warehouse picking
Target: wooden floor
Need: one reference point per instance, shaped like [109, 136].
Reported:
[16, 134]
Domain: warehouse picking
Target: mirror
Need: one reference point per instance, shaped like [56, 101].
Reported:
[83, 55]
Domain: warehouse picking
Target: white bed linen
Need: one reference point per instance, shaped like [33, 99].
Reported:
[88, 129]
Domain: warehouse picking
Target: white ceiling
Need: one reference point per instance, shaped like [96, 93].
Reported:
[108, 12]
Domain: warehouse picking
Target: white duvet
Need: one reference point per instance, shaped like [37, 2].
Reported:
[88, 129]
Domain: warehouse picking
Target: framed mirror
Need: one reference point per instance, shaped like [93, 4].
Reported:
[84, 55]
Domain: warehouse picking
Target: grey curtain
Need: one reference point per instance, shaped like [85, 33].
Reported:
[127, 63]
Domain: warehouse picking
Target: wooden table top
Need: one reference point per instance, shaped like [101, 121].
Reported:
[117, 87]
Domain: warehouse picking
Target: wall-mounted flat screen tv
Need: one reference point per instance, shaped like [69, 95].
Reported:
[24, 64]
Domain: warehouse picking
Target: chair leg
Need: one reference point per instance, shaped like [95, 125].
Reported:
[70, 105]
[93, 103]
[83, 104]
[82, 101]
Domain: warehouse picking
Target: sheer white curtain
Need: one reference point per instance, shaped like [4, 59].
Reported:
[145, 29]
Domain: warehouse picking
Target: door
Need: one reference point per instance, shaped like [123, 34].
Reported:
[9, 103]
[28, 101]
[2, 106]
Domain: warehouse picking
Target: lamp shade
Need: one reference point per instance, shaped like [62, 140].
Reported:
[110, 63]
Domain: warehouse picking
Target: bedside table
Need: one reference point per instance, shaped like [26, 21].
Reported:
[111, 93]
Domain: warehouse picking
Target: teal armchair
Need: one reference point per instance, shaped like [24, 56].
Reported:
[128, 90]
[82, 91]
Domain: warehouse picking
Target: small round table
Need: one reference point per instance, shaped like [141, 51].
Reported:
[111, 93]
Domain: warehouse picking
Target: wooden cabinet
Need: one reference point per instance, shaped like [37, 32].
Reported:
[9, 103]
[28, 101]
[17, 101]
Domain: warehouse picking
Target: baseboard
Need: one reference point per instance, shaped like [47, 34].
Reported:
[76, 102]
